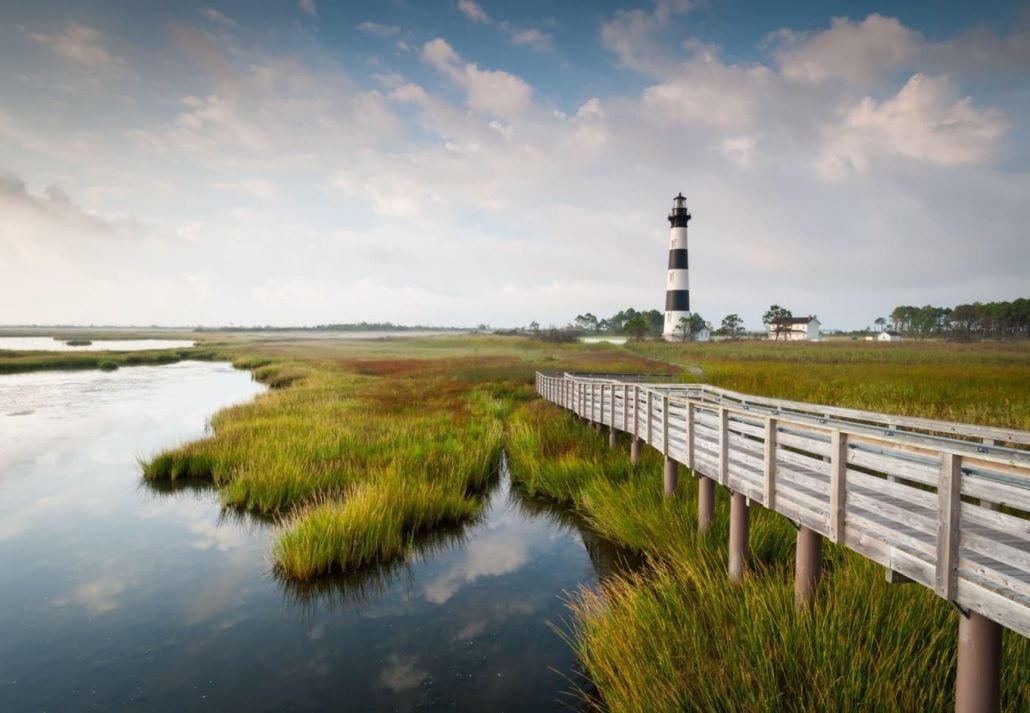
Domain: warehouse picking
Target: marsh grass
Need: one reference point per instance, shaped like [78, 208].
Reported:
[14, 362]
[360, 456]
[678, 636]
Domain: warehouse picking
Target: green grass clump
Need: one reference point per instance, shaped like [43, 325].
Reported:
[78, 342]
[108, 365]
[371, 523]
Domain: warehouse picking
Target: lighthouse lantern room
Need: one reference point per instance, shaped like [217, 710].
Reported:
[677, 286]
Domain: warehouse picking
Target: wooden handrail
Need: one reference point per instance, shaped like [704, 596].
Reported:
[916, 495]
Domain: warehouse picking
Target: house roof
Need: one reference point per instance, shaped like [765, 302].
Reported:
[796, 320]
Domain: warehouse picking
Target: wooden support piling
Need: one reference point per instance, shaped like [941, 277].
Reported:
[705, 503]
[739, 525]
[978, 672]
[807, 567]
[634, 450]
[671, 480]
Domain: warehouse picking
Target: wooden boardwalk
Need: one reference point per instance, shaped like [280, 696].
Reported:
[946, 505]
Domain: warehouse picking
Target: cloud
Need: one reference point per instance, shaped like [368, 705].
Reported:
[268, 113]
[857, 52]
[631, 35]
[218, 17]
[260, 188]
[309, 7]
[99, 596]
[80, 44]
[494, 555]
[705, 91]
[926, 121]
[491, 91]
[531, 37]
[401, 674]
[378, 30]
[473, 11]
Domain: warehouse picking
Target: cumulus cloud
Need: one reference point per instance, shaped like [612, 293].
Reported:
[857, 52]
[309, 7]
[492, 91]
[632, 35]
[925, 120]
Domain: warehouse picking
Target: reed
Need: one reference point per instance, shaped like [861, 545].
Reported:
[678, 636]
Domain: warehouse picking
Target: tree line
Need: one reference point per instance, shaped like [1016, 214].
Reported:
[637, 324]
[979, 320]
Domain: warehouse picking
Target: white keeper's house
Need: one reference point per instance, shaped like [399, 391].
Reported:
[796, 329]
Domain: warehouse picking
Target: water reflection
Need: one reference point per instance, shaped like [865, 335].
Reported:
[55, 344]
[151, 596]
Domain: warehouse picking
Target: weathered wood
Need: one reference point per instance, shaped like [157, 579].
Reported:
[724, 446]
[838, 484]
[650, 405]
[887, 487]
[738, 547]
[978, 671]
[948, 510]
[768, 474]
[690, 435]
[665, 426]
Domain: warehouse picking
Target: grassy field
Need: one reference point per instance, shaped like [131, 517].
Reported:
[678, 636]
[360, 446]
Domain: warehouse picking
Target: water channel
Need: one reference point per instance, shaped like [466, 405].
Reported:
[54, 344]
[117, 595]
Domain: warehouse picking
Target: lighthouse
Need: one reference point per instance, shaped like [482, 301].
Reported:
[677, 286]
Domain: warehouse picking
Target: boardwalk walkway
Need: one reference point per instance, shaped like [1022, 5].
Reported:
[943, 504]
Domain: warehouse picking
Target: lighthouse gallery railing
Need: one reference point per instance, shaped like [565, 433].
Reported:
[944, 504]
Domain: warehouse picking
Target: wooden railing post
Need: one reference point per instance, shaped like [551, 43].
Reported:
[948, 508]
[724, 447]
[613, 432]
[739, 526]
[690, 435]
[769, 466]
[665, 425]
[634, 444]
[650, 405]
[671, 476]
[838, 484]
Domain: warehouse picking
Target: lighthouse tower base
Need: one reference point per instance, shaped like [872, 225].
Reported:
[673, 329]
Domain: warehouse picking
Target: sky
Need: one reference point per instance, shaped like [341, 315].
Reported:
[465, 162]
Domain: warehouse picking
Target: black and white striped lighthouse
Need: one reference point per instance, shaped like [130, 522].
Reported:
[677, 286]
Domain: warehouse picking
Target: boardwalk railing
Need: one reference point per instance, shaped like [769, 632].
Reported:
[943, 504]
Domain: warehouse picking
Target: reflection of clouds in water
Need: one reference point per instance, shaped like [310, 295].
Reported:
[401, 675]
[491, 556]
[210, 535]
[26, 519]
[97, 597]
[472, 629]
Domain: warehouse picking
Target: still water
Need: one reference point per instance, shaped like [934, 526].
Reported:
[50, 344]
[116, 595]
